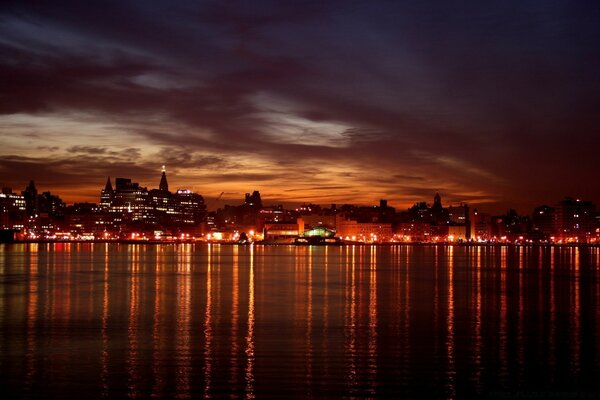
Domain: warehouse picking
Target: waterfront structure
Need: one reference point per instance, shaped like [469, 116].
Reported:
[481, 226]
[281, 232]
[362, 231]
[544, 221]
[134, 207]
[106, 195]
[575, 219]
[12, 209]
[131, 211]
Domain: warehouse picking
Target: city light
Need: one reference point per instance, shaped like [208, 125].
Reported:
[128, 211]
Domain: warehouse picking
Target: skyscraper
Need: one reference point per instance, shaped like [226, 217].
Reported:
[164, 185]
[31, 199]
[106, 195]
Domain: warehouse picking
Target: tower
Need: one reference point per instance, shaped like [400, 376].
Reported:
[31, 199]
[106, 195]
[437, 202]
[164, 186]
[437, 210]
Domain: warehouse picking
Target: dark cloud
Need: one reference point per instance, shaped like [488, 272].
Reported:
[487, 102]
[88, 149]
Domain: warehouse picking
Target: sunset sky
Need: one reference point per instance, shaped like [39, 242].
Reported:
[491, 103]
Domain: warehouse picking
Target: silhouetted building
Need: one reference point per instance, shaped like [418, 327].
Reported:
[30, 194]
[51, 205]
[386, 213]
[106, 195]
[543, 221]
[481, 226]
[253, 200]
[575, 218]
[164, 186]
[511, 226]
[437, 210]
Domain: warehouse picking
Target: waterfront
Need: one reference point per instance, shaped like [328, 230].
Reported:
[94, 320]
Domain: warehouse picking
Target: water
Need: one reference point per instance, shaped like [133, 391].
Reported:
[191, 321]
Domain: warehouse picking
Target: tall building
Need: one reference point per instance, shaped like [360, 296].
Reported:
[164, 185]
[190, 208]
[12, 209]
[51, 205]
[130, 200]
[155, 209]
[575, 218]
[253, 200]
[543, 220]
[106, 196]
[31, 199]
[481, 225]
[459, 215]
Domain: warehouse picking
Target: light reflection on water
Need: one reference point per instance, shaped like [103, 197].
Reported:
[190, 321]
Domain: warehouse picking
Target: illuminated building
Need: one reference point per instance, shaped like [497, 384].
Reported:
[281, 232]
[575, 219]
[106, 196]
[157, 209]
[511, 226]
[318, 220]
[51, 205]
[481, 226]
[459, 216]
[190, 208]
[544, 221]
[457, 233]
[362, 231]
[249, 215]
[12, 209]
[130, 200]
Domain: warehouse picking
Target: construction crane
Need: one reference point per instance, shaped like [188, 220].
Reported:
[221, 195]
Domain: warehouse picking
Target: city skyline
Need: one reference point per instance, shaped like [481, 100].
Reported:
[346, 102]
[235, 198]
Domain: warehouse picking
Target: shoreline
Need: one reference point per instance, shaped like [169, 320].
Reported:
[341, 244]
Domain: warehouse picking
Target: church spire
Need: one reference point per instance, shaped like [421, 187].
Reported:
[108, 187]
[164, 186]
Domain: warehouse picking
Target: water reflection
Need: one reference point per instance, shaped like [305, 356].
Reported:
[309, 321]
[208, 324]
[32, 303]
[235, 304]
[190, 321]
[350, 321]
[574, 312]
[183, 340]
[158, 343]
[451, 369]
[372, 363]
[249, 390]
[133, 327]
[476, 310]
[104, 327]
[503, 323]
[552, 328]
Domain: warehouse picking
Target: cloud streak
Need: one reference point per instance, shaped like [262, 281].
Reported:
[369, 100]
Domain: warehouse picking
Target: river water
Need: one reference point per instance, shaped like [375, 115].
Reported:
[193, 321]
